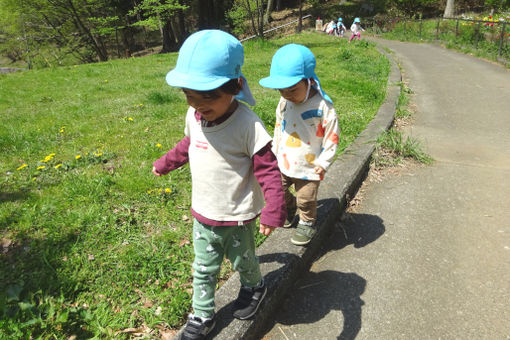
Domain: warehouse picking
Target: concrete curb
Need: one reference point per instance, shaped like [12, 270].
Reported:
[281, 261]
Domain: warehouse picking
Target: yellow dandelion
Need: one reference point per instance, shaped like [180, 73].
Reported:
[140, 105]
[77, 157]
[168, 190]
[48, 158]
[159, 145]
[130, 119]
[41, 167]
[149, 191]
[98, 154]
[58, 165]
[22, 166]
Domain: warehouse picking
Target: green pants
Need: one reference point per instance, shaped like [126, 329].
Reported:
[211, 244]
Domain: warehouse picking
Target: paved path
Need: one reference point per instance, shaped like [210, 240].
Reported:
[427, 254]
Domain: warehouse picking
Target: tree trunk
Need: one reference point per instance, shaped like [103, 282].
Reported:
[96, 42]
[248, 8]
[260, 18]
[168, 38]
[268, 11]
[449, 11]
[183, 34]
[278, 5]
[300, 22]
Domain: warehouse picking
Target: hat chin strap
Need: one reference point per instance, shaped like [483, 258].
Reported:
[307, 91]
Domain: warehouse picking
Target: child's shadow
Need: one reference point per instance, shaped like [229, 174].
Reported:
[317, 293]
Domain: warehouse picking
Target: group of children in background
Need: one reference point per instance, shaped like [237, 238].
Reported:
[239, 172]
[337, 28]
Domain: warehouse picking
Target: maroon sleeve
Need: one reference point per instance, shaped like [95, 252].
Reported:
[265, 168]
[174, 158]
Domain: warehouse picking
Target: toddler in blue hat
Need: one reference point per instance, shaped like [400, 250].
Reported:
[233, 173]
[306, 134]
[356, 29]
[341, 27]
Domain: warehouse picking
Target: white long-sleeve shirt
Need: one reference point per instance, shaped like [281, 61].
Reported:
[355, 29]
[305, 135]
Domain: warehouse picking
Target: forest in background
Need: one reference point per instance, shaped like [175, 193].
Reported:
[48, 33]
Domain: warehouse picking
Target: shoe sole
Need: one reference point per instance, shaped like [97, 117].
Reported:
[291, 224]
[256, 308]
[299, 243]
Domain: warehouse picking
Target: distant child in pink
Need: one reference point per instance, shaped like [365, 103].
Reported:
[356, 29]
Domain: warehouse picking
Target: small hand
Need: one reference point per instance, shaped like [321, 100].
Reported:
[319, 171]
[155, 172]
[265, 229]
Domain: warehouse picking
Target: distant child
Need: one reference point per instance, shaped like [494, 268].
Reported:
[340, 27]
[305, 136]
[233, 171]
[330, 27]
[356, 29]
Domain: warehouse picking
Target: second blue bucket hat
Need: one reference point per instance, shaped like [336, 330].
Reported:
[208, 59]
[290, 64]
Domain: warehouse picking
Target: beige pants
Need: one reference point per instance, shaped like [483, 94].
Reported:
[305, 200]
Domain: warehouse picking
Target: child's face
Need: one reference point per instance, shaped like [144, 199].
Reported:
[211, 108]
[295, 93]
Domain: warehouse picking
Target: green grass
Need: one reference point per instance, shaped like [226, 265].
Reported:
[483, 43]
[402, 110]
[91, 242]
[391, 146]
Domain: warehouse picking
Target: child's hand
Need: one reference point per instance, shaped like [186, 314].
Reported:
[265, 229]
[320, 171]
[155, 172]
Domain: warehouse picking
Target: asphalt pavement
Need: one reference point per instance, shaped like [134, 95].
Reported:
[426, 255]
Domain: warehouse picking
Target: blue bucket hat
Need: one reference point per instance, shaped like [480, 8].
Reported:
[356, 20]
[340, 19]
[290, 64]
[208, 59]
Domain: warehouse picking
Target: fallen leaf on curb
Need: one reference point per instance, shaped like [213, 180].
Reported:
[166, 334]
[147, 304]
[184, 242]
[139, 331]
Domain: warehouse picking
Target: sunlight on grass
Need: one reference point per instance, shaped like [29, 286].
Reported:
[92, 242]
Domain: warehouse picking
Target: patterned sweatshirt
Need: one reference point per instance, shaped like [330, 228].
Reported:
[305, 135]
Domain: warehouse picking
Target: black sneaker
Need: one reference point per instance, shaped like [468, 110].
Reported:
[197, 328]
[248, 301]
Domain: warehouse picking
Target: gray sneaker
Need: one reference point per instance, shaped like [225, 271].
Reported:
[303, 234]
[197, 328]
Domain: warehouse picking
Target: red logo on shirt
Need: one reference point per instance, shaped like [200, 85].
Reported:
[202, 145]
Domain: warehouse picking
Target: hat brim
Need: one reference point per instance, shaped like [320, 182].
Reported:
[276, 82]
[194, 82]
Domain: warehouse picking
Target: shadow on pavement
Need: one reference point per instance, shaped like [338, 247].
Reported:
[319, 292]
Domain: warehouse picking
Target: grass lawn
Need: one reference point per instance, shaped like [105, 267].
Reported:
[481, 41]
[91, 242]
